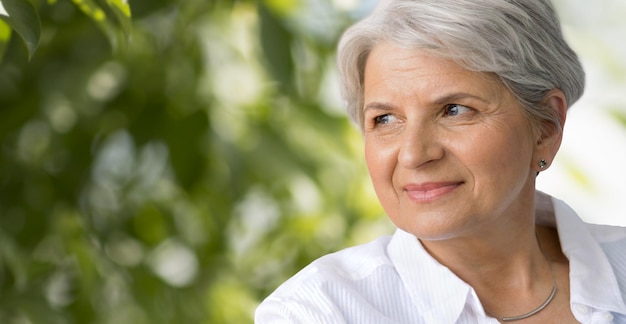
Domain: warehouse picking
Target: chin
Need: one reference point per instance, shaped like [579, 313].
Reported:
[435, 225]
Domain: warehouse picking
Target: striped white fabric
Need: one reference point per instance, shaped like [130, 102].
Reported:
[394, 280]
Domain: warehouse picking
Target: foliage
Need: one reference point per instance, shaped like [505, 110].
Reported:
[175, 168]
[23, 18]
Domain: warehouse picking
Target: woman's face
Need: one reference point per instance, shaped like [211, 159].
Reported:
[449, 151]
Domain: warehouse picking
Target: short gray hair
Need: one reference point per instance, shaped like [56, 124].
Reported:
[520, 41]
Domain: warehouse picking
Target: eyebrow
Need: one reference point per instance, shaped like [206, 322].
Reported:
[378, 106]
[446, 99]
[450, 98]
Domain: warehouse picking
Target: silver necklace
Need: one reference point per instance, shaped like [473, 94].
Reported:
[545, 303]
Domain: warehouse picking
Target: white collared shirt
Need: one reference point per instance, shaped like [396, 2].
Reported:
[394, 280]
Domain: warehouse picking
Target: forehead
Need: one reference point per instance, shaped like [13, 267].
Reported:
[391, 67]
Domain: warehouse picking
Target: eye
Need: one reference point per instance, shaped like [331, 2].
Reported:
[384, 119]
[455, 110]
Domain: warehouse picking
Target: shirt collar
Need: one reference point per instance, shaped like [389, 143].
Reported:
[592, 279]
[428, 281]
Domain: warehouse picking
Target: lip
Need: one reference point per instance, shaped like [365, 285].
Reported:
[429, 191]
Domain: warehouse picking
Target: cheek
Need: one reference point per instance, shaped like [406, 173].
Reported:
[381, 166]
[380, 163]
[372, 159]
[495, 158]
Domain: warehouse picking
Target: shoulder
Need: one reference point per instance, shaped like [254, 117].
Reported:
[603, 234]
[348, 265]
[570, 220]
[612, 241]
[607, 234]
[316, 291]
[602, 247]
[576, 232]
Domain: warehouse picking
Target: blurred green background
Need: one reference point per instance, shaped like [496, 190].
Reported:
[177, 174]
[178, 165]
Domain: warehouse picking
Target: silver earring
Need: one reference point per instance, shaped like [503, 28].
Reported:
[543, 164]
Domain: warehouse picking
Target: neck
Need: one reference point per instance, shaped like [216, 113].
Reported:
[503, 262]
[480, 259]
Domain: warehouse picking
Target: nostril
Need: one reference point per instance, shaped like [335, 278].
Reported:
[416, 153]
[419, 147]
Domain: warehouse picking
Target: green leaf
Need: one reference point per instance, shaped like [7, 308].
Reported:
[12, 258]
[121, 6]
[276, 41]
[91, 9]
[121, 9]
[95, 12]
[24, 19]
[282, 7]
[5, 36]
[118, 36]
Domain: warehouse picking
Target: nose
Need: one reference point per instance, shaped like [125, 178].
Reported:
[419, 145]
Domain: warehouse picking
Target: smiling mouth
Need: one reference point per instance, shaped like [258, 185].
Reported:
[429, 192]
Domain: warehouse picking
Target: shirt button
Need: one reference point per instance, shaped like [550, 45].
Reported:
[602, 318]
[581, 309]
[582, 313]
[608, 317]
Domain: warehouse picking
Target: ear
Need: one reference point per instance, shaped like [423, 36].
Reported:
[550, 134]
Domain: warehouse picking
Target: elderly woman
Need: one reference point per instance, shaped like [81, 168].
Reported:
[462, 105]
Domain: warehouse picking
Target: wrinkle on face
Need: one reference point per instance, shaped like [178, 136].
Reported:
[488, 149]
